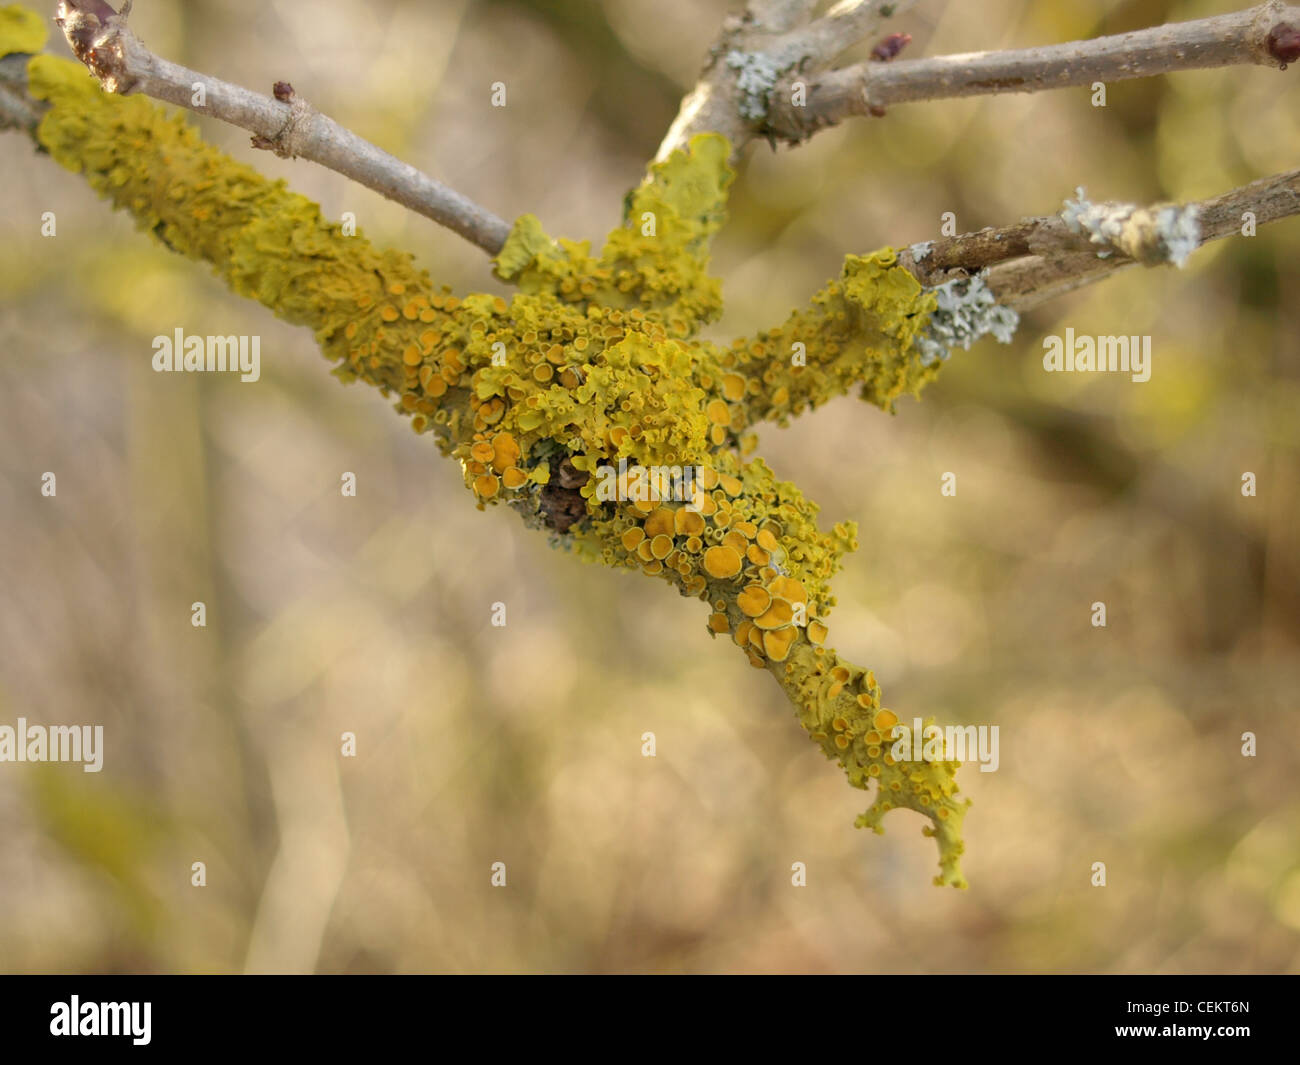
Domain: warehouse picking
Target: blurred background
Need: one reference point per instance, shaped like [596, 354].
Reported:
[478, 744]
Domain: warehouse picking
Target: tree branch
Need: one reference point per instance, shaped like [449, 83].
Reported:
[1266, 35]
[286, 125]
[1032, 260]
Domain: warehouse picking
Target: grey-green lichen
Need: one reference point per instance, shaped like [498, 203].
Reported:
[920, 252]
[1151, 235]
[965, 311]
[594, 359]
[756, 76]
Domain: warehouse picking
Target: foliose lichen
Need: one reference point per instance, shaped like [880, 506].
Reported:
[594, 359]
[920, 252]
[756, 78]
[1151, 235]
[965, 310]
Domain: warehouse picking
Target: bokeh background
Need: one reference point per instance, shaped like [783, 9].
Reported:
[522, 744]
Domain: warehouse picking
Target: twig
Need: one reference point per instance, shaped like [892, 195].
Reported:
[100, 38]
[1266, 35]
[17, 108]
[1035, 259]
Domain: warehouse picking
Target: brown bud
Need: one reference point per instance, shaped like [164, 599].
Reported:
[1284, 43]
[890, 47]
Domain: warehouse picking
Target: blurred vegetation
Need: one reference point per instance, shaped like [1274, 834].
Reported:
[480, 744]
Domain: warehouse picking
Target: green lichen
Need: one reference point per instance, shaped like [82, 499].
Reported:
[596, 358]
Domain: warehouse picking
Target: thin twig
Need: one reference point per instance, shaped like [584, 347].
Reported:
[1266, 35]
[17, 108]
[1035, 259]
[286, 125]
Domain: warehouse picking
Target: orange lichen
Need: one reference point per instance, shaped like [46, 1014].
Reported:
[777, 644]
[722, 562]
[688, 522]
[660, 522]
[505, 452]
[754, 600]
[789, 589]
[777, 616]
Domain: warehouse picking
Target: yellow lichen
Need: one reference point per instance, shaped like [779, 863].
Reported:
[21, 30]
[602, 364]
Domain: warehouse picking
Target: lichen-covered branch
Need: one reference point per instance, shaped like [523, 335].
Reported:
[595, 369]
[285, 124]
[886, 324]
[593, 363]
[1035, 259]
[860, 331]
[1265, 35]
